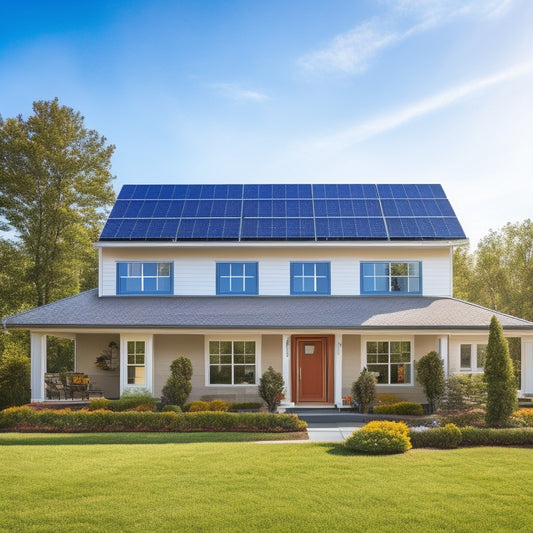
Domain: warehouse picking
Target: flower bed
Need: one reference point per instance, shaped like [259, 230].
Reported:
[27, 419]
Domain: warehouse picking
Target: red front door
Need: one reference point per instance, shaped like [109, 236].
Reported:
[311, 369]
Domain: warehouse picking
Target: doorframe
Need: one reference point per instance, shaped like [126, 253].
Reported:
[330, 351]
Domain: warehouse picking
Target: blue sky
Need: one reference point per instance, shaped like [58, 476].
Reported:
[211, 91]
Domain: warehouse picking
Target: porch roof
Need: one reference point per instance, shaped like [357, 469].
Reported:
[87, 310]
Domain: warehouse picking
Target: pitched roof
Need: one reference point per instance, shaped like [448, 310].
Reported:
[279, 212]
[87, 310]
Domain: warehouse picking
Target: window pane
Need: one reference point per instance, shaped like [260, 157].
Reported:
[236, 285]
[367, 269]
[131, 347]
[163, 269]
[323, 285]
[139, 347]
[371, 358]
[224, 284]
[481, 353]
[131, 359]
[309, 285]
[382, 269]
[223, 269]
[382, 284]
[238, 359]
[466, 356]
[309, 269]
[225, 359]
[150, 284]
[244, 375]
[414, 285]
[395, 347]
[150, 269]
[368, 285]
[214, 347]
[220, 375]
[163, 285]
[135, 269]
[214, 359]
[249, 347]
[398, 284]
[136, 375]
[383, 347]
[371, 347]
[225, 347]
[139, 359]
[237, 269]
[399, 269]
[238, 347]
[133, 285]
[382, 371]
[382, 358]
[322, 269]
[414, 269]
[250, 359]
[297, 269]
[400, 374]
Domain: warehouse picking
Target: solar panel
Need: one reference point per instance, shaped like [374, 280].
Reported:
[284, 212]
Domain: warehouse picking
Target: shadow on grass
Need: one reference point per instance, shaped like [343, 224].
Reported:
[73, 439]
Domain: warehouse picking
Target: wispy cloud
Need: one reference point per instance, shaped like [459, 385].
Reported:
[351, 52]
[392, 120]
[236, 92]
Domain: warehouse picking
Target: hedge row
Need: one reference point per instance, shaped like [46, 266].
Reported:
[451, 436]
[27, 419]
[401, 408]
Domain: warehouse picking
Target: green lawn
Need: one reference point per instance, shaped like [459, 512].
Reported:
[187, 482]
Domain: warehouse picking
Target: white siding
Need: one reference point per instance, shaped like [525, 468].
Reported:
[195, 268]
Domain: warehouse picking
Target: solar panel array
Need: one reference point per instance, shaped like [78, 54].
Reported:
[281, 212]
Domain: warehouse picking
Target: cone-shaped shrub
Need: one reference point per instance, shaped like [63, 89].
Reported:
[364, 390]
[178, 386]
[499, 376]
[430, 374]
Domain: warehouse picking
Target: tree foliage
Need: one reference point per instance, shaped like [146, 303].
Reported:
[271, 387]
[499, 274]
[499, 376]
[14, 376]
[364, 390]
[55, 187]
[430, 374]
[178, 386]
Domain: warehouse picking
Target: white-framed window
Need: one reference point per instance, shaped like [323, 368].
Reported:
[144, 278]
[232, 361]
[391, 361]
[310, 278]
[135, 362]
[472, 357]
[391, 277]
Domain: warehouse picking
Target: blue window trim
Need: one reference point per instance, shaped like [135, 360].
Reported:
[146, 293]
[294, 264]
[245, 292]
[389, 292]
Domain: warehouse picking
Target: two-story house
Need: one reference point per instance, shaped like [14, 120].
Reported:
[318, 281]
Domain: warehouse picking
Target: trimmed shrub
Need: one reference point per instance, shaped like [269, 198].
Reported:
[446, 437]
[464, 393]
[402, 408]
[27, 419]
[15, 370]
[245, 406]
[525, 415]
[496, 437]
[171, 409]
[129, 401]
[430, 374]
[475, 417]
[178, 386]
[218, 405]
[380, 438]
[387, 399]
[499, 376]
[197, 406]
[271, 386]
[364, 390]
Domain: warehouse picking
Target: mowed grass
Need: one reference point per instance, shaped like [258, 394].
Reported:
[190, 483]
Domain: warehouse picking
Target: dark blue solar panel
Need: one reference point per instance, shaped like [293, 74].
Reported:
[282, 212]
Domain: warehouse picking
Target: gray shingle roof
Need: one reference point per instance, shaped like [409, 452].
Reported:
[87, 310]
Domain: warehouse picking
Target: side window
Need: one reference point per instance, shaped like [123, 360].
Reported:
[386, 277]
[472, 357]
[310, 278]
[236, 278]
[144, 278]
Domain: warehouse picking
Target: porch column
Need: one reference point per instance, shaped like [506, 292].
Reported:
[286, 370]
[443, 352]
[526, 377]
[337, 370]
[38, 366]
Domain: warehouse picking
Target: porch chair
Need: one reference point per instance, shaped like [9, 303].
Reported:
[53, 386]
[77, 384]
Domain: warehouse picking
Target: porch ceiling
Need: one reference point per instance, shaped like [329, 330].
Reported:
[87, 310]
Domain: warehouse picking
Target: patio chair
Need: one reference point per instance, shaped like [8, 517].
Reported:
[54, 386]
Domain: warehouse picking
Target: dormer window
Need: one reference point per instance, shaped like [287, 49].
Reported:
[387, 277]
[144, 278]
[310, 278]
[236, 278]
